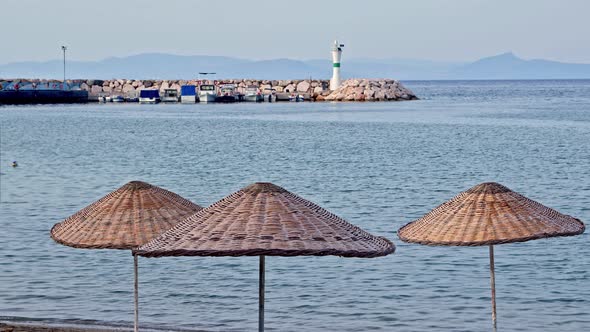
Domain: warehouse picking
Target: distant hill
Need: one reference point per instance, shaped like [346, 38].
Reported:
[509, 66]
[163, 66]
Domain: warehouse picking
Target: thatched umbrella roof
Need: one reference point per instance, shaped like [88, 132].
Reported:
[265, 220]
[124, 219]
[489, 214]
[486, 215]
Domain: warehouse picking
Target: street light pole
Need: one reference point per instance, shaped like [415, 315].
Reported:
[64, 48]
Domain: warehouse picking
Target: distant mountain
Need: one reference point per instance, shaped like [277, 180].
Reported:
[163, 66]
[509, 66]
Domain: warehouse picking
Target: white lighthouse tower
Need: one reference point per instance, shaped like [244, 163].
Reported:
[336, 56]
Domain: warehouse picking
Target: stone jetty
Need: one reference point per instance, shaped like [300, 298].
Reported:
[314, 89]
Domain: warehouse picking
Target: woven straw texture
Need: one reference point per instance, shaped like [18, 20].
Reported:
[488, 214]
[124, 219]
[264, 219]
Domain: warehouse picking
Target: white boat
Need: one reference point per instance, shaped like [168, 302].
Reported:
[188, 94]
[170, 96]
[296, 98]
[227, 94]
[118, 99]
[149, 96]
[253, 94]
[207, 93]
[270, 95]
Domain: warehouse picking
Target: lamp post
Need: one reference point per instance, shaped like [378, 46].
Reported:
[64, 48]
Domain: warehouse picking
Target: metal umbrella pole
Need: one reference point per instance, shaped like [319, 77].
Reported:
[261, 296]
[136, 311]
[493, 282]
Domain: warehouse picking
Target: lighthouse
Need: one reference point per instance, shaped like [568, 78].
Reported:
[336, 56]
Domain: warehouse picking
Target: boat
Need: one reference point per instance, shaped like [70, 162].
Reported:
[227, 94]
[270, 95]
[253, 94]
[170, 96]
[46, 96]
[117, 99]
[188, 94]
[149, 96]
[296, 98]
[207, 93]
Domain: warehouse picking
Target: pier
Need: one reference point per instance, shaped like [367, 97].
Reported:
[85, 90]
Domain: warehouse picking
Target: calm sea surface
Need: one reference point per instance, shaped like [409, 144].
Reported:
[378, 165]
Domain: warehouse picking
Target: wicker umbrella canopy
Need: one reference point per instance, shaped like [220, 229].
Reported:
[124, 219]
[485, 215]
[265, 220]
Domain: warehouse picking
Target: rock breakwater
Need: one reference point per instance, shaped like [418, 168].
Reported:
[350, 90]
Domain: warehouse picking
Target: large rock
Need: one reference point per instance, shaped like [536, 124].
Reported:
[303, 86]
[128, 88]
[290, 88]
[369, 90]
[95, 90]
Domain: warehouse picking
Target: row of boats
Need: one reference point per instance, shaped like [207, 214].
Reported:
[206, 93]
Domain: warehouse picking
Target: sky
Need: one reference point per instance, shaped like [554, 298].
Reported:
[439, 30]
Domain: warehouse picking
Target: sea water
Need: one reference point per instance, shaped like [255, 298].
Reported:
[378, 165]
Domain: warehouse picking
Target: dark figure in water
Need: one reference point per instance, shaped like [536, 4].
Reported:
[14, 164]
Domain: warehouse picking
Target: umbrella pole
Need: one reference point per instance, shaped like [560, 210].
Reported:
[261, 296]
[136, 311]
[493, 283]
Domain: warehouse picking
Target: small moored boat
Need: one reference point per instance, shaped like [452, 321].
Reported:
[253, 94]
[227, 94]
[118, 99]
[149, 96]
[270, 95]
[170, 96]
[207, 93]
[188, 94]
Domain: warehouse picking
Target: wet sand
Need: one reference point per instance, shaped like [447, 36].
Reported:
[28, 327]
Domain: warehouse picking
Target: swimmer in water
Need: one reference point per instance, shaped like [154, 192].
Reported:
[14, 164]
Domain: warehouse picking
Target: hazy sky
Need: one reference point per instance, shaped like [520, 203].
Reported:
[448, 30]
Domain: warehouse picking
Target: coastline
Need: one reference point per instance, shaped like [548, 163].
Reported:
[45, 327]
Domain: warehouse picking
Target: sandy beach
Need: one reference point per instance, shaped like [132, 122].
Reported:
[30, 327]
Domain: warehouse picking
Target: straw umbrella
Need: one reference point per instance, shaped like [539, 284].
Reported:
[265, 220]
[124, 219]
[485, 215]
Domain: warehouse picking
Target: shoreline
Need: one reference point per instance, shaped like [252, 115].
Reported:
[43, 325]
[6, 326]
